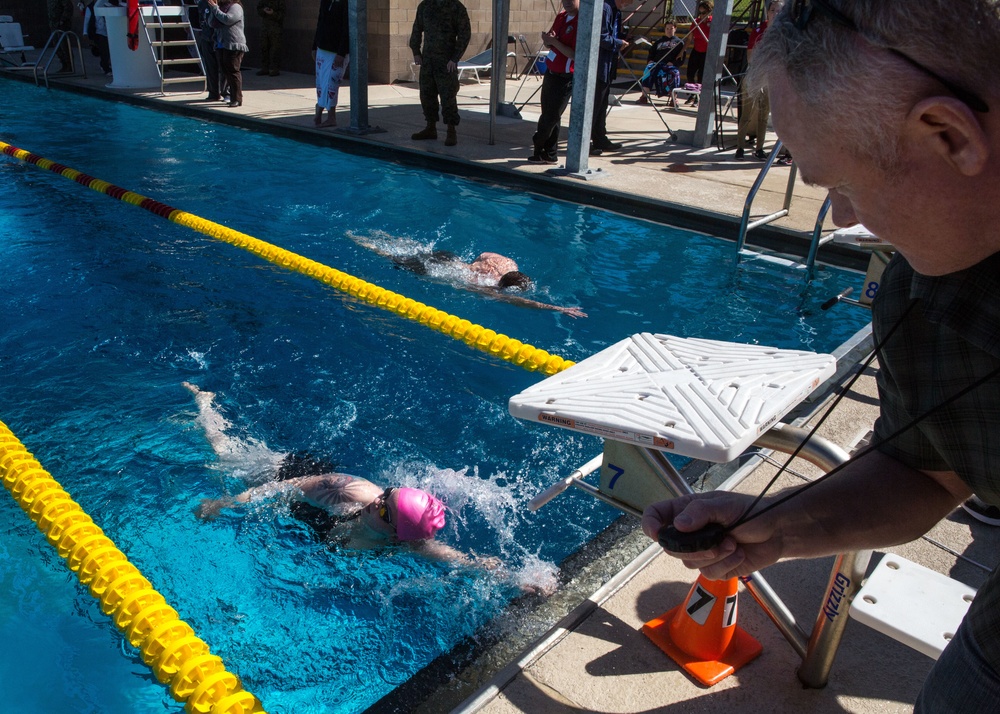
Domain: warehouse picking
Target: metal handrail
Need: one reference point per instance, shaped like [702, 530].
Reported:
[60, 36]
[746, 225]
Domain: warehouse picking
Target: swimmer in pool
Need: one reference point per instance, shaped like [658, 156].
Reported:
[367, 515]
[490, 274]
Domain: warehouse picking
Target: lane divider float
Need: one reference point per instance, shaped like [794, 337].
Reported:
[167, 644]
[476, 336]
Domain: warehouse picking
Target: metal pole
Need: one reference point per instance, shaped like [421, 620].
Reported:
[498, 69]
[357, 19]
[581, 113]
[714, 62]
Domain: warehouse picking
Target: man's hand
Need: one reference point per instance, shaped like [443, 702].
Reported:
[338, 61]
[451, 66]
[744, 550]
[417, 59]
[572, 311]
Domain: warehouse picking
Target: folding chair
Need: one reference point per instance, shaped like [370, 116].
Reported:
[12, 44]
[482, 62]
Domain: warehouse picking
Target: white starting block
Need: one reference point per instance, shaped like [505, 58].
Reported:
[912, 604]
[881, 251]
[700, 398]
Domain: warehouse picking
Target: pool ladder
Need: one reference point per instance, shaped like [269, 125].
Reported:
[746, 225]
[50, 51]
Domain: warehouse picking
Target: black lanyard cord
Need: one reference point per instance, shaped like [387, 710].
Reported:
[843, 393]
[747, 516]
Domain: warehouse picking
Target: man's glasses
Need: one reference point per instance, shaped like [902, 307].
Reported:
[383, 506]
[802, 13]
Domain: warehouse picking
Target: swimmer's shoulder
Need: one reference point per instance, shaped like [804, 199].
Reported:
[332, 489]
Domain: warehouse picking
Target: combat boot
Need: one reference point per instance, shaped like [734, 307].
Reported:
[429, 132]
[452, 137]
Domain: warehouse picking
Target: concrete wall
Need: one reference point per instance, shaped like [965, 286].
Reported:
[389, 25]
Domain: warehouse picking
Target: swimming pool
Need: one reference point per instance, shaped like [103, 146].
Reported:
[108, 309]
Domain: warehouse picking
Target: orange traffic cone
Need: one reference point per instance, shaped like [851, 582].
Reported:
[701, 634]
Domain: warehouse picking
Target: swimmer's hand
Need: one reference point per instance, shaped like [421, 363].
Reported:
[209, 509]
[572, 311]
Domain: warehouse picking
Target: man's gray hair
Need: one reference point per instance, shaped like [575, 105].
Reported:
[861, 91]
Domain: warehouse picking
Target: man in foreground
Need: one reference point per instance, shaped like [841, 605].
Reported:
[916, 159]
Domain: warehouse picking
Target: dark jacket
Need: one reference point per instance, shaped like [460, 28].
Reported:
[611, 42]
[277, 15]
[333, 31]
[443, 28]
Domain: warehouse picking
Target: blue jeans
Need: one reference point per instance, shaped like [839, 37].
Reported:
[961, 681]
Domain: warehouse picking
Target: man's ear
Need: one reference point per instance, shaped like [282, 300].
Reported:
[947, 128]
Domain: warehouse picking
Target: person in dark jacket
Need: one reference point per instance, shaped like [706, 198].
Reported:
[443, 27]
[331, 51]
[60, 14]
[272, 15]
[207, 39]
[611, 46]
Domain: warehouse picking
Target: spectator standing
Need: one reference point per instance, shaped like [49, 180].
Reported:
[272, 14]
[232, 41]
[666, 55]
[916, 159]
[331, 52]
[60, 14]
[611, 46]
[440, 36]
[557, 82]
[207, 39]
[697, 39]
[755, 105]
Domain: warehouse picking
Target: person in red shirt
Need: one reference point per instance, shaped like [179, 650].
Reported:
[557, 84]
[697, 39]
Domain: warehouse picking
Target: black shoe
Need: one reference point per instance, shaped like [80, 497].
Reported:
[235, 104]
[543, 159]
[212, 98]
[739, 154]
[760, 155]
[262, 72]
[982, 511]
[607, 145]
[273, 73]
[594, 151]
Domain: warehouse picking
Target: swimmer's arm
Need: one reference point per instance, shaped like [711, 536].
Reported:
[325, 491]
[365, 243]
[526, 302]
[436, 550]
[210, 507]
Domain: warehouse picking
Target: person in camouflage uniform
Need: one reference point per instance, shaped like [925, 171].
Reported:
[443, 27]
[272, 12]
[60, 14]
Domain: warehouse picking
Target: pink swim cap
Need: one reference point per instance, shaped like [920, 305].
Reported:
[419, 514]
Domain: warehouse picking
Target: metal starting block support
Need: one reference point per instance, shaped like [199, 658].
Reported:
[650, 394]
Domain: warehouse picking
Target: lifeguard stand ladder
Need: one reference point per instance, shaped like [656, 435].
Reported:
[654, 394]
[159, 25]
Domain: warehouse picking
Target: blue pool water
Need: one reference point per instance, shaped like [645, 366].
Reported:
[107, 309]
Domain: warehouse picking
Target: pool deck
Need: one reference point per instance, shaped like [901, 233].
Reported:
[596, 659]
